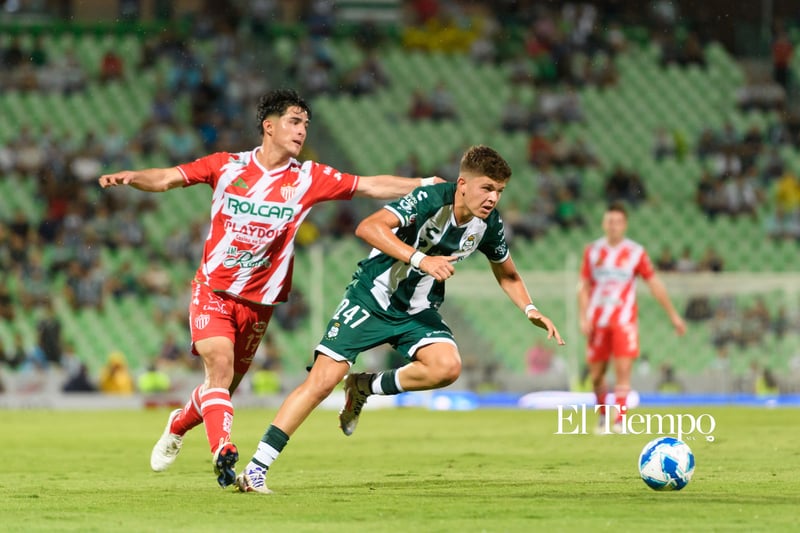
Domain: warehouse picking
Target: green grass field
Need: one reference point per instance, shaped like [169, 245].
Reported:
[404, 470]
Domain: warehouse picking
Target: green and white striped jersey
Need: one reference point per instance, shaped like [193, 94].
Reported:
[427, 223]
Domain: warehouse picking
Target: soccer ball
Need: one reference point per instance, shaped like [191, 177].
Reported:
[666, 463]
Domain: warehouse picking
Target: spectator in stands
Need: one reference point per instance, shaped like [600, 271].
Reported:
[170, 354]
[29, 154]
[540, 150]
[665, 262]
[79, 381]
[567, 214]
[48, 329]
[14, 358]
[582, 155]
[667, 382]
[787, 194]
[624, 185]
[112, 67]
[710, 196]
[707, 144]
[663, 145]
[6, 301]
[780, 323]
[515, 116]
[115, 378]
[772, 166]
[367, 77]
[782, 50]
[443, 105]
[13, 55]
[711, 260]
[21, 356]
[84, 286]
[692, 51]
[724, 328]
[685, 262]
[742, 196]
[153, 380]
[181, 143]
[420, 106]
[781, 225]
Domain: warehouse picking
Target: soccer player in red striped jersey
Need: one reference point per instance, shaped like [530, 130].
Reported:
[260, 197]
[608, 311]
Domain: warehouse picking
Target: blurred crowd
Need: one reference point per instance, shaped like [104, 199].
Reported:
[220, 66]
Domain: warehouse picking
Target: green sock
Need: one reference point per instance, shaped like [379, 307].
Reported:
[385, 383]
[271, 445]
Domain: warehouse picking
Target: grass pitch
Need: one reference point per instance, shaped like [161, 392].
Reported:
[403, 470]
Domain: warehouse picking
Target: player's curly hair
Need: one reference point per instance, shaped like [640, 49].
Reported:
[481, 160]
[276, 102]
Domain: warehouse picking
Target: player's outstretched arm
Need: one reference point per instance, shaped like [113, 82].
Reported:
[150, 180]
[385, 187]
[377, 231]
[513, 285]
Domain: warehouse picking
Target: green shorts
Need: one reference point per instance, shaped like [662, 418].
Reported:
[357, 326]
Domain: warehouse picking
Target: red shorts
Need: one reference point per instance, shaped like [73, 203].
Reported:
[218, 314]
[619, 341]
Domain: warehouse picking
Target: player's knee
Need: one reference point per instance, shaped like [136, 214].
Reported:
[447, 371]
[218, 362]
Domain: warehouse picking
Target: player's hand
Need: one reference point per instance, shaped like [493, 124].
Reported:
[437, 180]
[541, 321]
[124, 177]
[586, 327]
[440, 267]
[679, 325]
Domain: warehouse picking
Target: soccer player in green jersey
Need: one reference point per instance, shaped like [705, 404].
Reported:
[395, 296]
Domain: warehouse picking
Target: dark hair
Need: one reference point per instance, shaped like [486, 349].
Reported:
[619, 207]
[481, 160]
[276, 102]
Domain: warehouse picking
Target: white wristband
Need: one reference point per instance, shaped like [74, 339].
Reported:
[529, 308]
[416, 259]
[424, 182]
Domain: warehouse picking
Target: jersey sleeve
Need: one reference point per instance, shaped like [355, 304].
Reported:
[330, 184]
[645, 267]
[494, 245]
[204, 170]
[412, 206]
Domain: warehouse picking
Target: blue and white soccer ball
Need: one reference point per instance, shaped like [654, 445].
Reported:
[666, 463]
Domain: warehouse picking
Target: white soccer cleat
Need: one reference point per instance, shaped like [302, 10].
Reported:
[166, 449]
[356, 392]
[253, 479]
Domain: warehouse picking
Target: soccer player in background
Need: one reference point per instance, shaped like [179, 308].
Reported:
[394, 298]
[260, 198]
[608, 312]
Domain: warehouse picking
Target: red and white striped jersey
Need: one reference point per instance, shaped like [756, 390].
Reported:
[255, 214]
[611, 274]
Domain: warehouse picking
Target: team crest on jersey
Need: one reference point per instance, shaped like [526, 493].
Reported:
[201, 321]
[469, 244]
[288, 191]
[333, 332]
